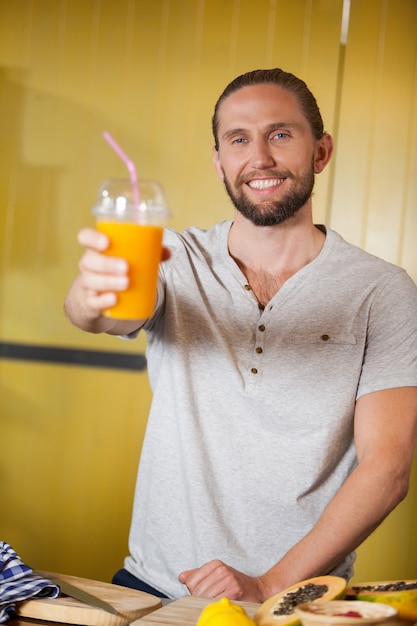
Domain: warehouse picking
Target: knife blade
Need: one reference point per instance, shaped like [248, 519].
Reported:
[79, 594]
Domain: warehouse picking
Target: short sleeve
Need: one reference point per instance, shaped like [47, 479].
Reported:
[390, 358]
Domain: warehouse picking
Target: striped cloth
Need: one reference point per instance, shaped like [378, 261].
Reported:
[17, 582]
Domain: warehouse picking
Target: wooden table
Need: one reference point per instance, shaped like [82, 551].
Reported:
[184, 612]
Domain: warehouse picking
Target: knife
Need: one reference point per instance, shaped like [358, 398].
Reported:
[79, 594]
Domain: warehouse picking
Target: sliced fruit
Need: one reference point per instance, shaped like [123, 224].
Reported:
[279, 610]
[401, 594]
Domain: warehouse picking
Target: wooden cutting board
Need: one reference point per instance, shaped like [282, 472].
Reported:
[185, 612]
[129, 603]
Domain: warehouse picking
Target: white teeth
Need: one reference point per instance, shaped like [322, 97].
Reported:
[265, 183]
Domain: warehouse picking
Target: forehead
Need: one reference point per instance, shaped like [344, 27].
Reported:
[259, 104]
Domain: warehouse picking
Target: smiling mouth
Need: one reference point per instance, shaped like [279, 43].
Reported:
[265, 183]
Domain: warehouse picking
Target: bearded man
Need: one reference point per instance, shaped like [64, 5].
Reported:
[283, 364]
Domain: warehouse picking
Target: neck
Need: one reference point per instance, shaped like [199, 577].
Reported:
[279, 250]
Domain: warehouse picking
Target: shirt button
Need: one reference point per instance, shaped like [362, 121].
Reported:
[261, 328]
[247, 287]
[254, 370]
[259, 350]
[325, 337]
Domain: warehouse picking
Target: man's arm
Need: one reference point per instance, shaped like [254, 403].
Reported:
[96, 287]
[385, 434]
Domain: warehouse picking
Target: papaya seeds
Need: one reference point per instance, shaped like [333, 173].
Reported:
[279, 609]
[401, 594]
[308, 593]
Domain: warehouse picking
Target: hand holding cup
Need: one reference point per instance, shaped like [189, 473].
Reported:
[135, 231]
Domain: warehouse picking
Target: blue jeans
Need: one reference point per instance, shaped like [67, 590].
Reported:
[126, 579]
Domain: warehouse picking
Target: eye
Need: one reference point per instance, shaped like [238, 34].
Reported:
[239, 140]
[281, 135]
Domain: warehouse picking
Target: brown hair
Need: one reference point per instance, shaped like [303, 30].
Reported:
[282, 79]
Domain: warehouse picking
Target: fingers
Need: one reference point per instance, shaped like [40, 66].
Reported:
[100, 274]
[93, 260]
[93, 239]
[100, 302]
[212, 580]
[97, 263]
[215, 579]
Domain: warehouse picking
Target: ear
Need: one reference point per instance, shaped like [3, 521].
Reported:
[323, 153]
[216, 163]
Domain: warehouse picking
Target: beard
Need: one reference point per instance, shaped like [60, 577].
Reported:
[272, 212]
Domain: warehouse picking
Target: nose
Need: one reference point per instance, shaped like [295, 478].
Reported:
[262, 156]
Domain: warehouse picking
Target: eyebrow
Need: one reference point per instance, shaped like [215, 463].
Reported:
[268, 128]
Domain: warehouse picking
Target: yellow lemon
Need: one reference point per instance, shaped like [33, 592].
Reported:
[224, 613]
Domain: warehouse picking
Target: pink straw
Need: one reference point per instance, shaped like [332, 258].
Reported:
[129, 164]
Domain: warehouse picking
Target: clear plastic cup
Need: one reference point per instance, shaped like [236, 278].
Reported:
[135, 231]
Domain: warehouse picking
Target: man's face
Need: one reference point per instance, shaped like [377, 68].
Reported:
[267, 155]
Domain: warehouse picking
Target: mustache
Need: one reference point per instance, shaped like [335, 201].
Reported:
[263, 174]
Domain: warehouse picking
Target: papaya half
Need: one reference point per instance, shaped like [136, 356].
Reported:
[279, 609]
[401, 594]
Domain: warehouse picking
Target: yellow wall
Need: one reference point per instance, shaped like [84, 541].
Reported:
[149, 73]
[374, 199]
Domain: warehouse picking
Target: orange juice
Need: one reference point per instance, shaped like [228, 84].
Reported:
[141, 246]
